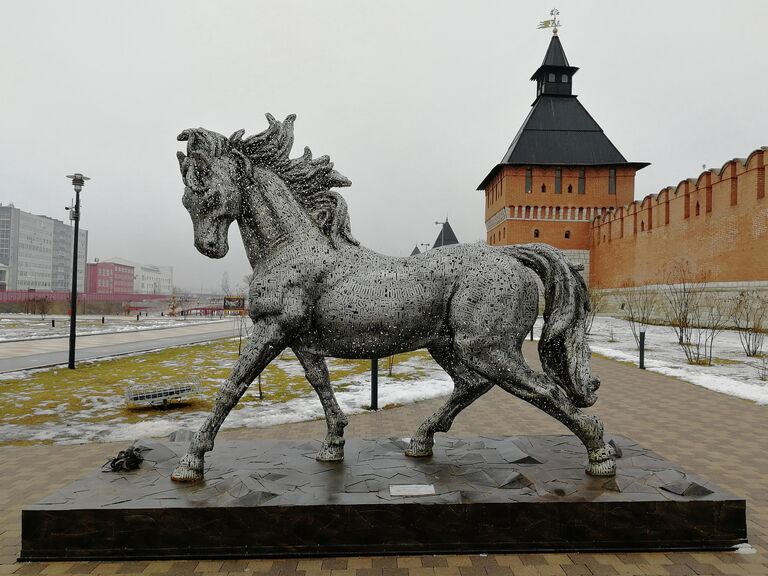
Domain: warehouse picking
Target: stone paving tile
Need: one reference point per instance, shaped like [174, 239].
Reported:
[433, 561]
[714, 436]
[423, 571]
[334, 564]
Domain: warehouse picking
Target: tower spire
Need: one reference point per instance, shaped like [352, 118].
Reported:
[555, 75]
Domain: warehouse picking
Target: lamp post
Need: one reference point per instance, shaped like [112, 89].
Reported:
[78, 181]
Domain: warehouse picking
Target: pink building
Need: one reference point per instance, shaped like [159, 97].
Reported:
[109, 278]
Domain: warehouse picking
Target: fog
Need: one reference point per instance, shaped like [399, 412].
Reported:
[414, 101]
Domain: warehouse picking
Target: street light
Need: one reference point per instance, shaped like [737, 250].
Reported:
[78, 181]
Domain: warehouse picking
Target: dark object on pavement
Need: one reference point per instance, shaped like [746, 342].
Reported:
[129, 459]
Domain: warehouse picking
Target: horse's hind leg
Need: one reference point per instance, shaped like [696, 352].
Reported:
[509, 370]
[468, 387]
[317, 374]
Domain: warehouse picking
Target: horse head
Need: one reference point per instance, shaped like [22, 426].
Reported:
[211, 191]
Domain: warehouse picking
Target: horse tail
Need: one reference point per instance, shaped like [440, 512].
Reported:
[563, 347]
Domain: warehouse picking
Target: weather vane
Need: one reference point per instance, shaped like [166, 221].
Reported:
[552, 23]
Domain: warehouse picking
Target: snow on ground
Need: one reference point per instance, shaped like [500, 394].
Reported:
[733, 373]
[415, 378]
[26, 327]
[102, 414]
[352, 400]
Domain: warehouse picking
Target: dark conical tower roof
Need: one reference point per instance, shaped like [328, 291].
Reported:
[415, 251]
[446, 237]
[558, 130]
[555, 55]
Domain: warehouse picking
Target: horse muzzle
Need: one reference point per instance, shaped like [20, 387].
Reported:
[211, 239]
[212, 248]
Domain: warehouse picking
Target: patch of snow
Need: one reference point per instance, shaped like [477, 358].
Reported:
[101, 419]
[612, 337]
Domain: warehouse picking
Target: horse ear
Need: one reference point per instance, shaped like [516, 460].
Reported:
[181, 157]
[307, 154]
[337, 180]
[236, 136]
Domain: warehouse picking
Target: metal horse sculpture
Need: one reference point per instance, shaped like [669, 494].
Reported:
[317, 291]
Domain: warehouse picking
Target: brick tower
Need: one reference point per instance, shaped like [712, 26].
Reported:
[560, 171]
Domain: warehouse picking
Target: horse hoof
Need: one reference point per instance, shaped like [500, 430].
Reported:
[418, 449]
[602, 462]
[190, 469]
[604, 468]
[331, 452]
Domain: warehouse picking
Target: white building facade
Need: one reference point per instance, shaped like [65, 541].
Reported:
[36, 252]
[148, 278]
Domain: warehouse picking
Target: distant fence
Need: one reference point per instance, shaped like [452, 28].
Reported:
[30, 296]
[213, 311]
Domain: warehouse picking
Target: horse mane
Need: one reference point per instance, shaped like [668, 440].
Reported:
[309, 179]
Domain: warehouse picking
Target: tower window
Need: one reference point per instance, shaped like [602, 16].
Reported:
[697, 208]
[551, 77]
[612, 181]
[564, 79]
[570, 188]
[582, 180]
[567, 234]
[543, 187]
[535, 232]
[528, 179]
[558, 181]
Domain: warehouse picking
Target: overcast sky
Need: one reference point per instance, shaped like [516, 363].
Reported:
[415, 101]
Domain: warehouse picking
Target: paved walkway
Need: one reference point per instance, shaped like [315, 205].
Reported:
[716, 436]
[27, 354]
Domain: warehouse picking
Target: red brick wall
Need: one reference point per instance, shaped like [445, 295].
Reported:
[572, 210]
[109, 278]
[717, 222]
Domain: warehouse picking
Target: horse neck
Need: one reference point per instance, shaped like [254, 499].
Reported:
[271, 215]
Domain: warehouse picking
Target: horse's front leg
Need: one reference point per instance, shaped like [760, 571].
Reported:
[268, 341]
[317, 373]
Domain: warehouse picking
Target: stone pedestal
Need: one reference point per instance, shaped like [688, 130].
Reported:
[474, 495]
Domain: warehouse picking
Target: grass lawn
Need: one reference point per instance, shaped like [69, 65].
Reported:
[41, 405]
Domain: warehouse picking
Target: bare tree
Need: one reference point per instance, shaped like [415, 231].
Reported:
[762, 369]
[683, 292]
[43, 305]
[749, 314]
[696, 319]
[390, 364]
[597, 300]
[708, 319]
[173, 305]
[638, 304]
[37, 305]
[242, 287]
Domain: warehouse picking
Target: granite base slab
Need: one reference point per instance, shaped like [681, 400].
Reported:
[474, 495]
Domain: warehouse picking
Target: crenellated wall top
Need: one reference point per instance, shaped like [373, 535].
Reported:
[708, 179]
